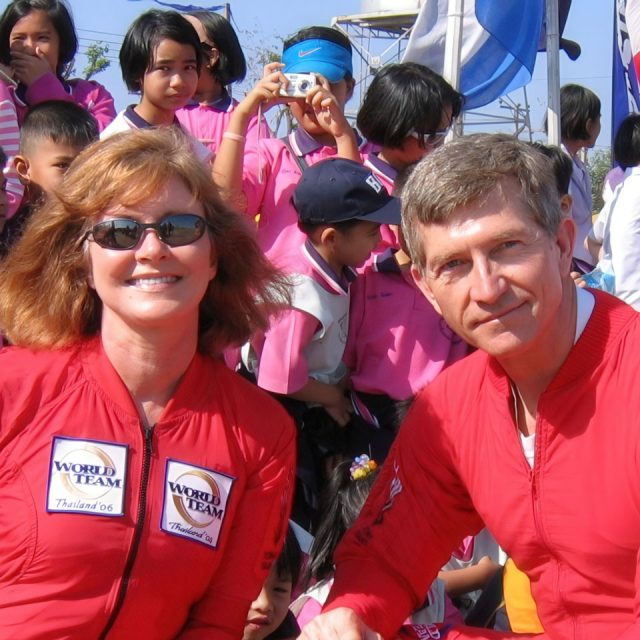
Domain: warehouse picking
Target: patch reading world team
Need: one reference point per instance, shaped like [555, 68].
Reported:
[195, 502]
[87, 476]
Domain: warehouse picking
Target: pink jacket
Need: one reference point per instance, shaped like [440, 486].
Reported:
[572, 523]
[86, 93]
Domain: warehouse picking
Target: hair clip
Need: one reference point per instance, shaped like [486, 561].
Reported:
[362, 466]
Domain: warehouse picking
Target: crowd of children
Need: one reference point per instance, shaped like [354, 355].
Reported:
[356, 339]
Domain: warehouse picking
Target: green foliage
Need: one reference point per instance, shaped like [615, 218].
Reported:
[97, 60]
[599, 166]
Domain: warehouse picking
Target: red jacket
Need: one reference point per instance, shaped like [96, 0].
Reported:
[572, 523]
[158, 534]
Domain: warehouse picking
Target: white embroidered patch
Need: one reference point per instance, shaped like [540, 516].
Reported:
[87, 476]
[195, 502]
[374, 183]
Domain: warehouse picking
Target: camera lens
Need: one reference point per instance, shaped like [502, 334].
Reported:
[304, 86]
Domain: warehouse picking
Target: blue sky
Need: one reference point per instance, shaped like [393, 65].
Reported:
[261, 22]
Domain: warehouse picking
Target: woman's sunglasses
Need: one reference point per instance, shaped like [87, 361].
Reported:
[175, 230]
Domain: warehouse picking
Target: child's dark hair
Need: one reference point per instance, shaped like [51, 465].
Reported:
[59, 15]
[340, 505]
[59, 121]
[143, 37]
[320, 33]
[403, 98]
[231, 65]
[289, 561]
[560, 163]
[626, 145]
[309, 228]
[578, 105]
[3, 159]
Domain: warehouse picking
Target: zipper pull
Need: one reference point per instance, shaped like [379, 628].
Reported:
[148, 438]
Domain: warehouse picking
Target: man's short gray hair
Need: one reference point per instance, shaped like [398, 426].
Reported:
[467, 170]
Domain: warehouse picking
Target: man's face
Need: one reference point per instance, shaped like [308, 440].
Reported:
[495, 276]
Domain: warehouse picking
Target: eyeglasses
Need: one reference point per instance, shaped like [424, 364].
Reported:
[176, 230]
[434, 139]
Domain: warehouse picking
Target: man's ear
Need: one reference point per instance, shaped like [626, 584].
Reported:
[21, 165]
[565, 240]
[423, 284]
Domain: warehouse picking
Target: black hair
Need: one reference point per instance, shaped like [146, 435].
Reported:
[308, 228]
[321, 33]
[402, 98]
[60, 16]
[340, 505]
[626, 144]
[289, 561]
[578, 105]
[231, 65]
[561, 165]
[3, 158]
[59, 121]
[143, 37]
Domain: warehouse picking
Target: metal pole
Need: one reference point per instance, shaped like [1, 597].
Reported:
[453, 50]
[553, 72]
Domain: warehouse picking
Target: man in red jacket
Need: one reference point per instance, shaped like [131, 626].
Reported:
[534, 435]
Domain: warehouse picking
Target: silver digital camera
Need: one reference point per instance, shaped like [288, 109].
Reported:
[299, 85]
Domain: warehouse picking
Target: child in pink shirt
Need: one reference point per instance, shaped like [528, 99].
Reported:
[262, 180]
[340, 206]
[206, 117]
[38, 41]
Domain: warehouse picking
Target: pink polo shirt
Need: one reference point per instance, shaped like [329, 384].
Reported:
[270, 176]
[387, 175]
[397, 343]
[207, 122]
[283, 366]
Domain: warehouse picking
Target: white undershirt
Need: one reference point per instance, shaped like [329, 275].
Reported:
[585, 302]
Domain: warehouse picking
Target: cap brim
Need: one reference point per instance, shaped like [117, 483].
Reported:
[332, 72]
[388, 214]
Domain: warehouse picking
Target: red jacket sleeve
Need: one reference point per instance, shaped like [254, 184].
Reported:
[416, 515]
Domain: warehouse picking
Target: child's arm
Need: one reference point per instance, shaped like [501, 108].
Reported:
[457, 582]
[330, 396]
[228, 164]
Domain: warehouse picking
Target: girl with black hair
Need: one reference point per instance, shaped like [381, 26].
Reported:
[207, 115]
[407, 113]
[160, 58]
[579, 129]
[37, 44]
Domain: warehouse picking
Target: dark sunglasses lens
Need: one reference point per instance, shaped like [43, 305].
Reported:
[117, 234]
[181, 229]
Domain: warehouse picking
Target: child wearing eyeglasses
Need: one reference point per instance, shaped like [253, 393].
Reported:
[160, 58]
[407, 112]
[208, 113]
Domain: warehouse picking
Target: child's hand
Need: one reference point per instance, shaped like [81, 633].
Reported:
[329, 113]
[339, 406]
[577, 278]
[8, 72]
[29, 67]
[266, 91]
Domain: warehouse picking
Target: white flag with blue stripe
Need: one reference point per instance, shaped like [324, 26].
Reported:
[499, 45]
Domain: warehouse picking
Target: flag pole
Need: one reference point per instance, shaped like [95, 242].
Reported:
[453, 49]
[553, 72]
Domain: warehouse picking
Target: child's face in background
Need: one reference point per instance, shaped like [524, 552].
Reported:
[268, 611]
[172, 79]
[354, 246]
[36, 31]
[44, 167]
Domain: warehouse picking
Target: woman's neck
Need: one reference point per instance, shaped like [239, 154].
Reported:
[151, 363]
[209, 93]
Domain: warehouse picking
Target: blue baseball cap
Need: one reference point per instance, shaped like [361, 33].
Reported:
[327, 58]
[337, 190]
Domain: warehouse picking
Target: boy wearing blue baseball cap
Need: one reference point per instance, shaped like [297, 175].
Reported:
[340, 206]
[261, 179]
